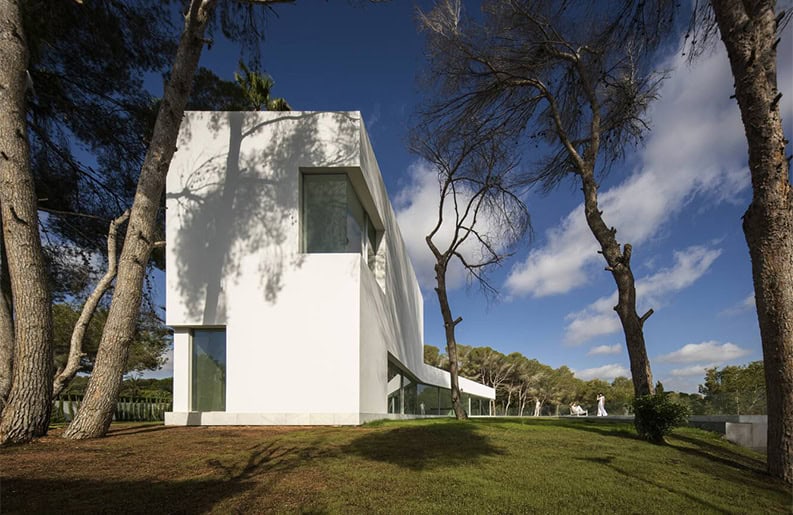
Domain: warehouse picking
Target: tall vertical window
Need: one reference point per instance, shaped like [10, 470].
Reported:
[209, 370]
[334, 220]
[394, 389]
[371, 244]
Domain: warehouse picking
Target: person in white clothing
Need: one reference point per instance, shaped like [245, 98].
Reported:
[537, 405]
[577, 410]
[601, 405]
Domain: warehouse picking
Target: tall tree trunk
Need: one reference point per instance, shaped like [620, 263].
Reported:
[6, 325]
[748, 30]
[96, 411]
[618, 260]
[619, 264]
[65, 376]
[451, 343]
[28, 409]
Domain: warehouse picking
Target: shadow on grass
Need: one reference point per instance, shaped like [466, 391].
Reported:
[709, 458]
[736, 467]
[134, 430]
[716, 453]
[258, 469]
[23, 495]
[632, 476]
[424, 447]
[613, 429]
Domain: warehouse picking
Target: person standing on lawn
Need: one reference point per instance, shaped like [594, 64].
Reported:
[601, 405]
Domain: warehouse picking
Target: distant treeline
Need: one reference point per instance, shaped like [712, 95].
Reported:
[131, 388]
[520, 382]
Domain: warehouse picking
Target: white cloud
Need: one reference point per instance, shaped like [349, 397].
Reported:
[693, 370]
[744, 306]
[590, 323]
[599, 317]
[605, 349]
[416, 206]
[697, 149]
[690, 265]
[606, 372]
[374, 117]
[708, 352]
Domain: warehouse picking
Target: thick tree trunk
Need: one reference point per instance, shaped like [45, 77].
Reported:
[748, 30]
[65, 376]
[451, 343]
[6, 325]
[619, 264]
[28, 409]
[96, 411]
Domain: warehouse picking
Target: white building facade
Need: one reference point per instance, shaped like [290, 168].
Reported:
[289, 288]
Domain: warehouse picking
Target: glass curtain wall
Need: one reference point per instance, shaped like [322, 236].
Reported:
[407, 396]
[428, 400]
[208, 374]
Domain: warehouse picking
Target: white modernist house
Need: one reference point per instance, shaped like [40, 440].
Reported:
[289, 288]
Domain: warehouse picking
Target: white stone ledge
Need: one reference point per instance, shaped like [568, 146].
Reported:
[221, 418]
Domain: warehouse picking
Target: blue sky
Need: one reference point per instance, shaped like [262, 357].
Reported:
[678, 200]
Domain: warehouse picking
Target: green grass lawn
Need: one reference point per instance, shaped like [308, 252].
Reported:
[428, 466]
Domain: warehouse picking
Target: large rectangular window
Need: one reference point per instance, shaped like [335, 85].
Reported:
[334, 221]
[209, 370]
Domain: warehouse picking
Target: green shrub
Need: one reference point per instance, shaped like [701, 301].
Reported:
[656, 416]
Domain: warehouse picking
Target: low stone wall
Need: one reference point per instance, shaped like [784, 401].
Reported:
[753, 435]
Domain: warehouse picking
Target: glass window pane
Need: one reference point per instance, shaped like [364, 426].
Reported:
[427, 400]
[371, 244]
[333, 218]
[445, 406]
[355, 221]
[394, 389]
[476, 406]
[324, 213]
[409, 394]
[209, 370]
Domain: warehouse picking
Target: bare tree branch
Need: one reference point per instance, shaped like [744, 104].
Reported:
[64, 376]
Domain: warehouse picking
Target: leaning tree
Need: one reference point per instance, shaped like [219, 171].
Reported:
[96, 411]
[570, 76]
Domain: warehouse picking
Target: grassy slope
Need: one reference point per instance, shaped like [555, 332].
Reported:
[436, 466]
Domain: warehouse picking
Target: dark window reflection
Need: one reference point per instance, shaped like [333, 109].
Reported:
[407, 396]
[209, 370]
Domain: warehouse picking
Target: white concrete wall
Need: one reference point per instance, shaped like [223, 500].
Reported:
[394, 320]
[233, 260]
[307, 334]
[181, 370]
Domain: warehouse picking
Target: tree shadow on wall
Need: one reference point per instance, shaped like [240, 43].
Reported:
[244, 201]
